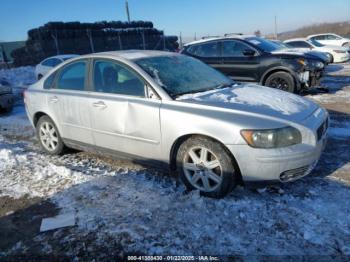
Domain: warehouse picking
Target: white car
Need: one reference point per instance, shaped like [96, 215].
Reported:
[338, 54]
[330, 39]
[46, 65]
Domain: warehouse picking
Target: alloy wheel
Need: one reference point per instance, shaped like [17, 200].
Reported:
[202, 169]
[48, 136]
[279, 83]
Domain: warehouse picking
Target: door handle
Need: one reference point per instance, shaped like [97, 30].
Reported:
[54, 99]
[100, 104]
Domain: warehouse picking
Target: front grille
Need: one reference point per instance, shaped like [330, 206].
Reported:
[322, 129]
[294, 174]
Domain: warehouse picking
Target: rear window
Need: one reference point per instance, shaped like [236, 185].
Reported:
[48, 83]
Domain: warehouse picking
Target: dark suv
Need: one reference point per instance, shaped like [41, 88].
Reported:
[254, 59]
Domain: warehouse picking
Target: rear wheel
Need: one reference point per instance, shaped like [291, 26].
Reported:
[281, 80]
[49, 136]
[204, 164]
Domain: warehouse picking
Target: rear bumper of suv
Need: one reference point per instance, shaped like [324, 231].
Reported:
[6, 101]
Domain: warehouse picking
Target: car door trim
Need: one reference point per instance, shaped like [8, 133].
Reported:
[114, 134]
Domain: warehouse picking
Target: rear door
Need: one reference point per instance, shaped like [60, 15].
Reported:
[69, 101]
[208, 52]
[240, 61]
[124, 119]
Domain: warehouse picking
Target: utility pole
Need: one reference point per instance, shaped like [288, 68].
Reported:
[275, 27]
[127, 10]
[181, 44]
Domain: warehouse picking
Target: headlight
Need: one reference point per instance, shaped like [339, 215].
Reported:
[272, 138]
[319, 64]
[340, 51]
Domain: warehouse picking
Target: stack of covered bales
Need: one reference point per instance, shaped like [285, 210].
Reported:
[82, 38]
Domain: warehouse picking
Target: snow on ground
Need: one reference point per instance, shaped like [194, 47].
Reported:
[19, 77]
[148, 211]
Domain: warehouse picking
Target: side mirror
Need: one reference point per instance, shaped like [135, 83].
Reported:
[152, 94]
[249, 52]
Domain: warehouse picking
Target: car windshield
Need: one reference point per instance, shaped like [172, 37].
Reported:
[265, 45]
[315, 43]
[180, 75]
[282, 45]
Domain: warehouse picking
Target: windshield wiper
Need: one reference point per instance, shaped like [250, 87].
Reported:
[205, 90]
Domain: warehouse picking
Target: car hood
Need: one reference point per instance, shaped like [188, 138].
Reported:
[256, 99]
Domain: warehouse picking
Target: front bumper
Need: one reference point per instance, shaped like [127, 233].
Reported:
[310, 79]
[280, 165]
[6, 101]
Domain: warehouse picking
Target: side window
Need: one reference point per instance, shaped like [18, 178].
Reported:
[47, 62]
[55, 62]
[300, 44]
[49, 81]
[319, 37]
[207, 50]
[111, 77]
[234, 48]
[330, 37]
[72, 76]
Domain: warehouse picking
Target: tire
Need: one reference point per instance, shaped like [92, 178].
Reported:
[46, 130]
[195, 172]
[281, 80]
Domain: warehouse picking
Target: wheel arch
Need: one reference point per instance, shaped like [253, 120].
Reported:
[177, 143]
[39, 114]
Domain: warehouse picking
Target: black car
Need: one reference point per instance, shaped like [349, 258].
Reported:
[254, 59]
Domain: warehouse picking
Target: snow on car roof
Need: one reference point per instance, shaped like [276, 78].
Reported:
[135, 54]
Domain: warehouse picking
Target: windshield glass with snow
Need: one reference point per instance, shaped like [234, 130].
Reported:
[180, 75]
[265, 45]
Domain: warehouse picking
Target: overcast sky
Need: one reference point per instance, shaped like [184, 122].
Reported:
[203, 17]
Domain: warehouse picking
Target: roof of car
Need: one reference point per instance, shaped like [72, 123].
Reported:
[229, 36]
[296, 39]
[133, 54]
[320, 34]
[63, 56]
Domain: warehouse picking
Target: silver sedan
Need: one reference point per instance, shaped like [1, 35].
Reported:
[170, 109]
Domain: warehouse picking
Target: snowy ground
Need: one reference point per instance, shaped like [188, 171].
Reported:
[123, 208]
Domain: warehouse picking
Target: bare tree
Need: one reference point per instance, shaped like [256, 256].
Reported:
[257, 33]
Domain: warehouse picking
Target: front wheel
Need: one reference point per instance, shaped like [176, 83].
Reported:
[204, 164]
[281, 80]
[49, 136]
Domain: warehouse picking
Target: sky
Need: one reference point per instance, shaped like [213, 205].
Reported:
[190, 17]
